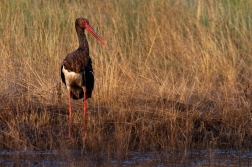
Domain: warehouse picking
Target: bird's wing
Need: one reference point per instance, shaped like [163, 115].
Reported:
[88, 78]
[62, 75]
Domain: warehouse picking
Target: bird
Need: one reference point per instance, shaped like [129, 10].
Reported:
[77, 72]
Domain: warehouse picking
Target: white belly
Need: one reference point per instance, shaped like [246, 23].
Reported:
[72, 78]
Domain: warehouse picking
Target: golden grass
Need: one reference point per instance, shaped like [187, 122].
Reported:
[171, 77]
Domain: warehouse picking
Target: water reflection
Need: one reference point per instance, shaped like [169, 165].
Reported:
[79, 158]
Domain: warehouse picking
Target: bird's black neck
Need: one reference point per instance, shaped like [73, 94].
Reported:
[83, 43]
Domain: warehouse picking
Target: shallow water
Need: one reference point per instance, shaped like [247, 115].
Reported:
[78, 158]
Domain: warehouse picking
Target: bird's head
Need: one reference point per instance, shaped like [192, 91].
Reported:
[84, 24]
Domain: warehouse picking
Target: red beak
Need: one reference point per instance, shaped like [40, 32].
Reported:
[91, 31]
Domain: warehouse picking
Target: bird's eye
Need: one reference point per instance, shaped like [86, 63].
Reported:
[85, 22]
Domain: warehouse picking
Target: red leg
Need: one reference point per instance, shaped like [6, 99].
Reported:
[70, 115]
[85, 114]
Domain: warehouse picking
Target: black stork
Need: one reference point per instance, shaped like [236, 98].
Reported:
[77, 72]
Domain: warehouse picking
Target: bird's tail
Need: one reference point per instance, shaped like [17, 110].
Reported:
[76, 95]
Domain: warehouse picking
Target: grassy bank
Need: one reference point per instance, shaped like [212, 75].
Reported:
[171, 77]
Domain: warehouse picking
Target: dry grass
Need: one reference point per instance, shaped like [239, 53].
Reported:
[171, 77]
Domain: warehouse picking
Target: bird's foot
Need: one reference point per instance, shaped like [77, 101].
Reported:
[85, 136]
[70, 136]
